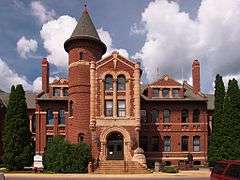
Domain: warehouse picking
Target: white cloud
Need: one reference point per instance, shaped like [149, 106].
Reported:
[230, 77]
[9, 77]
[173, 40]
[37, 83]
[107, 39]
[26, 46]
[54, 33]
[41, 12]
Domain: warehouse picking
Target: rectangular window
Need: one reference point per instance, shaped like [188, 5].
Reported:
[167, 144]
[143, 116]
[108, 108]
[56, 91]
[166, 116]
[61, 117]
[144, 143]
[50, 117]
[155, 143]
[155, 92]
[121, 108]
[196, 143]
[165, 92]
[175, 92]
[65, 91]
[154, 114]
[184, 145]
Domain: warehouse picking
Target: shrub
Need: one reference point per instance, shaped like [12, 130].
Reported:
[170, 169]
[60, 156]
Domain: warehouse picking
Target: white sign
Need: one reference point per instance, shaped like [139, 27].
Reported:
[37, 161]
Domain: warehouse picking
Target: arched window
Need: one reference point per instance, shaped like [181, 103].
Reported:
[166, 116]
[121, 83]
[196, 143]
[154, 115]
[50, 117]
[184, 116]
[80, 137]
[108, 83]
[81, 55]
[71, 108]
[196, 116]
[61, 116]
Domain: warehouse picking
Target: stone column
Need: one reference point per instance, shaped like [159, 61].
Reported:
[92, 124]
[92, 94]
[137, 100]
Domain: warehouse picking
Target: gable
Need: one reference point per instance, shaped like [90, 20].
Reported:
[166, 81]
[115, 63]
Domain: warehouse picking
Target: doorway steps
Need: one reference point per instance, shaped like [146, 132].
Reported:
[120, 167]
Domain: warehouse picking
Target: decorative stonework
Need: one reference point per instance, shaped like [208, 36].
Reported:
[126, 143]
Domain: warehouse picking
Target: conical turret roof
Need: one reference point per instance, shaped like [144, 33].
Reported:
[85, 31]
[85, 27]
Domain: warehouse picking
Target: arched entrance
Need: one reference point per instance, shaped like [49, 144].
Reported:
[115, 146]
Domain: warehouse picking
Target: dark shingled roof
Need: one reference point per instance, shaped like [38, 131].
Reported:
[85, 27]
[30, 99]
[85, 31]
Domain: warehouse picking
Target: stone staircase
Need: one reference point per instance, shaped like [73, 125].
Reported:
[120, 167]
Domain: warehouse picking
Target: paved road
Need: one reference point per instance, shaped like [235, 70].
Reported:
[20, 177]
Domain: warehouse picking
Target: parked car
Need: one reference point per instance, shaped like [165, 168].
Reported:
[226, 170]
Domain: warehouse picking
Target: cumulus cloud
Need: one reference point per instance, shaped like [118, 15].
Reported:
[39, 10]
[26, 46]
[37, 83]
[173, 40]
[9, 77]
[107, 39]
[54, 33]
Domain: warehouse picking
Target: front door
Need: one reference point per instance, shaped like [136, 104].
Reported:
[115, 146]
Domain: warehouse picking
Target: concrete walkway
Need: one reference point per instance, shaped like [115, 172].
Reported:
[200, 173]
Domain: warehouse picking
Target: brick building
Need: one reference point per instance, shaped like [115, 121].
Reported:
[102, 103]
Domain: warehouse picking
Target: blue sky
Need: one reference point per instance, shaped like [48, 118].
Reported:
[161, 33]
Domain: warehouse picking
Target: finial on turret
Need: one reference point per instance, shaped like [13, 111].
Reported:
[85, 5]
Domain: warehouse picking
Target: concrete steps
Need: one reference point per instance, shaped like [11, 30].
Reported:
[120, 167]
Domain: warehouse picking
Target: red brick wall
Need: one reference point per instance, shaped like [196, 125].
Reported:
[175, 129]
[42, 130]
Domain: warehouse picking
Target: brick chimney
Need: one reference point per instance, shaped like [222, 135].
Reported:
[196, 76]
[45, 75]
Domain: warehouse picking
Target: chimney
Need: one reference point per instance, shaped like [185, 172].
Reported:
[196, 76]
[45, 75]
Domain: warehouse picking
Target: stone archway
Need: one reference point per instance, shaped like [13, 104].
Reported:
[126, 142]
[115, 146]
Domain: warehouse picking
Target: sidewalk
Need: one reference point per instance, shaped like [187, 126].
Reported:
[200, 173]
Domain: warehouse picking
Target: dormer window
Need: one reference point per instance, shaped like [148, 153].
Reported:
[109, 83]
[56, 91]
[65, 91]
[81, 55]
[175, 92]
[155, 92]
[165, 92]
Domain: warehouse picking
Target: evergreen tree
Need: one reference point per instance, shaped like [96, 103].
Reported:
[216, 138]
[230, 148]
[18, 144]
